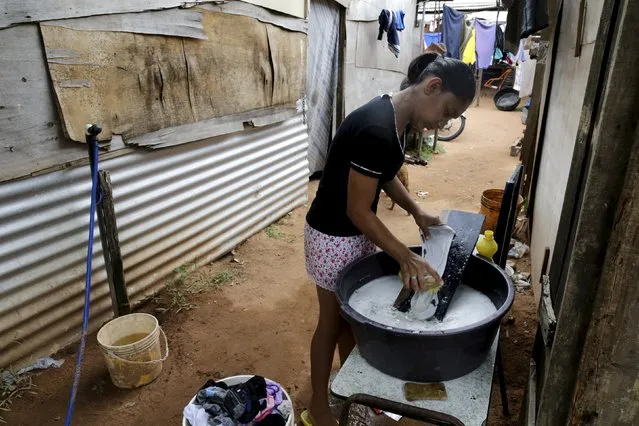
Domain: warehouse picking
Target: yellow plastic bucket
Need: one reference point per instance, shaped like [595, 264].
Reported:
[132, 349]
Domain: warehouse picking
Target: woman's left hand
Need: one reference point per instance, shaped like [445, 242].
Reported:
[424, 220]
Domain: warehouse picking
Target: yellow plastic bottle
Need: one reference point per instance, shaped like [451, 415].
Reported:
[486, 245]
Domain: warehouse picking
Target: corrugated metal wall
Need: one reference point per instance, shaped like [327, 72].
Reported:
[321, 78]
[195, 201]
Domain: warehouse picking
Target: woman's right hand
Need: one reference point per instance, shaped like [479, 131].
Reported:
[414, 271]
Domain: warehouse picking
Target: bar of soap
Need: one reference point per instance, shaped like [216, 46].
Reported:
[425, 392]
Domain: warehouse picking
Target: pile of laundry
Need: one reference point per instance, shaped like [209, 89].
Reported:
[258, 401]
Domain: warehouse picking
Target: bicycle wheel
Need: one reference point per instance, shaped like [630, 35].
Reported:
[452, 129]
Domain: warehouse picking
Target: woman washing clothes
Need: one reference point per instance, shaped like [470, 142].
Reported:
[342, 226]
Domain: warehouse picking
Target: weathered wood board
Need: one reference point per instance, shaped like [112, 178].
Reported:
[135, 84]
[287, 53]
[259, 13]
[30, 136]
[289, 7]
[172, 22]
[204, 129]
[13, 12]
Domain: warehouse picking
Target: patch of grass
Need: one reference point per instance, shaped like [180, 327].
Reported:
[221, 278]
[428, 151]
[274, 232]
[20, 384]
[187, 281]
[179, 297]
[217, 280]
[182, 273]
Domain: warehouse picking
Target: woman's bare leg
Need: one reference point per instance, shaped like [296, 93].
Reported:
[322, 351]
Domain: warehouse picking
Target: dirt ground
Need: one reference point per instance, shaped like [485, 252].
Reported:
[258, 314]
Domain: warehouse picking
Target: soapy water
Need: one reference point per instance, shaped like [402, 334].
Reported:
[375, 299]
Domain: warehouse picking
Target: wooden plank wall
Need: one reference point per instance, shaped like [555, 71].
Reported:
[30, 136]
[591, 373]
[136, 84]
[607, 391]
[163, 44]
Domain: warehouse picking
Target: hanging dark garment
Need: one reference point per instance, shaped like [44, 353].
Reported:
[452, 25]
[499, 43]
[525, 17]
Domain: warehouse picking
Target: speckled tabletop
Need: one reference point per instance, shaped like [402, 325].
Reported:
[468, 396]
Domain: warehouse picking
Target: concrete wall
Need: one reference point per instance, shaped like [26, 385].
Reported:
[362, 82]
[564, 112]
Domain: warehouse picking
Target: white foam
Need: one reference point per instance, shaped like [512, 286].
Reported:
[375, 301]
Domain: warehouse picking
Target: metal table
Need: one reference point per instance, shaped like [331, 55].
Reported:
[467, 403]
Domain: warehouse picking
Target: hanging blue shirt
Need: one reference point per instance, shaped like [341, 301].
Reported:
[452, 24]
[391, 22]
[485, 42]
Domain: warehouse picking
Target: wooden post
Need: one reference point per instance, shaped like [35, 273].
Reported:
[555, 12]
[527, 410]
[600, 259]
[111, 247]
[435, 135]
[423, 22]
[340, 105]
[528, 144]
[478, 77]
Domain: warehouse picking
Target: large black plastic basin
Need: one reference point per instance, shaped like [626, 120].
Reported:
[425, 356]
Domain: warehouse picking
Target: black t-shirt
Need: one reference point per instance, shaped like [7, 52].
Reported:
[367, 142]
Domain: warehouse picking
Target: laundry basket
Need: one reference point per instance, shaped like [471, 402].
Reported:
[236, 380]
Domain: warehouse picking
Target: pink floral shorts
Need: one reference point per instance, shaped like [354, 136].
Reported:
[326, 256]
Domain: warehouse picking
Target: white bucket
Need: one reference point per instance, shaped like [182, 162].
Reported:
[132, 350]
[236, 380]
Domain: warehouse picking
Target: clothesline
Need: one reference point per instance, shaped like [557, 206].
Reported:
[480, 43]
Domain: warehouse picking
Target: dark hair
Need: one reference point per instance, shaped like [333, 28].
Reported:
[456, 76]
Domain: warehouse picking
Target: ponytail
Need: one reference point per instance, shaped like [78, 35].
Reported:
[417, 66]
[456, 76]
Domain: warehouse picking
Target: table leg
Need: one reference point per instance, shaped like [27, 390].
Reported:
[415, 413]
[502, 382]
